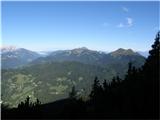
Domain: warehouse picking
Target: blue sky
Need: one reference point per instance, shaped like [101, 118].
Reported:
[102, 26]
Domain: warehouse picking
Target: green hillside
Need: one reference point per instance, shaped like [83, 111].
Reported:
[53, 78]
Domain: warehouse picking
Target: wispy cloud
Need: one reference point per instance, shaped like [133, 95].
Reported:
[129, 22]
[120, 25]
[105, 24]
[125, 9]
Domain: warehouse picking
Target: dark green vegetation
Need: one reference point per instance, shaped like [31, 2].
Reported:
[51, 78]
[134, 96]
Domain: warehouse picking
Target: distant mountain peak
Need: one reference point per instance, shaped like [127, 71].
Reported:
[79, 50]
[124, 52]
[8, 49]
[85, 48]
[15, 57]
[144, 53]
[130, 50]
[120, 49]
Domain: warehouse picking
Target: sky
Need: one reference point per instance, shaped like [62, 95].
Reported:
[105, 26]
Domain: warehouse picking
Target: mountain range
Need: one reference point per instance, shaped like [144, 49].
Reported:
[14, 58]
[51, 76]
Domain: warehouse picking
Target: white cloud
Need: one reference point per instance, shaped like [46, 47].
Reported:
[125, 9]
[120, 25]
[129, 22]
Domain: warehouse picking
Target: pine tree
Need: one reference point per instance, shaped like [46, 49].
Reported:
[37, 103]
[73, 93]
[95, 88]
[151, 78]
[152, 62]
[105, 86]
[129, 72]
